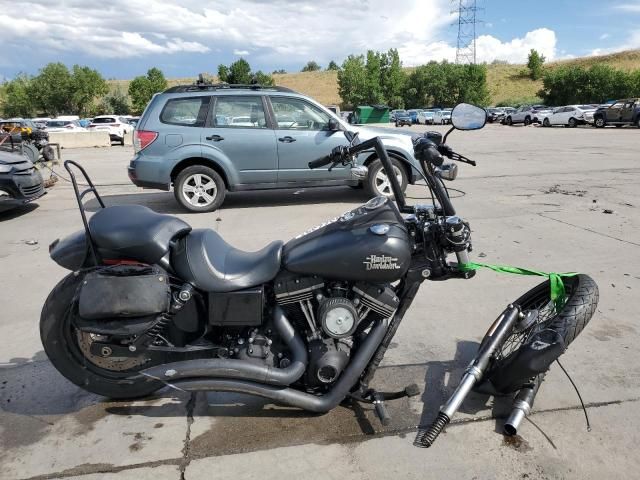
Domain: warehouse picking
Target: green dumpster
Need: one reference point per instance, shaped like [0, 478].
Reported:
[372, 114]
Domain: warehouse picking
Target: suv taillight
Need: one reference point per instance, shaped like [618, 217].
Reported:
[142, 139]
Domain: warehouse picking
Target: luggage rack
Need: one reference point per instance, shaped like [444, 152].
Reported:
[79, 196]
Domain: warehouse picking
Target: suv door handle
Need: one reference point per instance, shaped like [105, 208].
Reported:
[287, 139]
[215, 138]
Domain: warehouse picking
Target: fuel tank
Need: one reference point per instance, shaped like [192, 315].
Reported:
[369, 243]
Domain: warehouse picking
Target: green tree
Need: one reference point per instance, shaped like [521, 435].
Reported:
[332, 66]
[392, 79]
[86, 85]
[239, 72]
[280, 71]
[311, 66]
[535, 64]
[262, 78]
[223, 73]
[17, 101]
[116, 102]
[352, 81]
[374, 95]
[142, 88]
[52, 90]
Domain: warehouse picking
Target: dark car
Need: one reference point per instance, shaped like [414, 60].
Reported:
[403, 118]
[20, 182]
[495, 115]
[620, 113]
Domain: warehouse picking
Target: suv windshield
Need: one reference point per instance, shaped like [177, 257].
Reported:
[58, 123]
[104, 120]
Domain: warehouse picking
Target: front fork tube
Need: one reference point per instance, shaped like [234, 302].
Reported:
[493, 340]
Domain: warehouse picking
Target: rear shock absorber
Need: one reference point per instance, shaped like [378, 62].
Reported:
[178, 301]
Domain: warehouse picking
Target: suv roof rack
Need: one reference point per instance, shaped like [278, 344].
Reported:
[204, 87]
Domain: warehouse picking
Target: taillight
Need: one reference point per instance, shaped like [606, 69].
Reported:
[142, 139]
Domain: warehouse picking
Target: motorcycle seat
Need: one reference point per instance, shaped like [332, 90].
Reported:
[204, 259]
[135, 232]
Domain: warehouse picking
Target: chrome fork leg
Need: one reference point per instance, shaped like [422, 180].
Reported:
[492, 341]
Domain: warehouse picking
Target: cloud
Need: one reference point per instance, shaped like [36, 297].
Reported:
[629, 7]
[241, 52]
[604, 36]
[632, 42]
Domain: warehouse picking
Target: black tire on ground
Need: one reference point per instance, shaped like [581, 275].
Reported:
[60, 342]
[581, 294]
[599, 122]
[619, 126]
[638, 122]
[509, 121]
[573, 123]
[371, 182]
[527, 121]
[397, 125]
[546, 123]
[217, 187]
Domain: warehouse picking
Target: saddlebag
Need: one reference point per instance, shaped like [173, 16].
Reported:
[124, 291]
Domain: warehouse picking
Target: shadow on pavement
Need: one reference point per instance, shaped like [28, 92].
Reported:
[17, 212]
[164, 202]
[32, 388]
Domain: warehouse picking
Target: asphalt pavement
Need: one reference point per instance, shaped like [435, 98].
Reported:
[553, 199]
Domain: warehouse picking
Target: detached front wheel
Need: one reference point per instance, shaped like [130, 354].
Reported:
[378, 183]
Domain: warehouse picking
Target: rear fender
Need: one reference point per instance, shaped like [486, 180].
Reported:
[71, 252]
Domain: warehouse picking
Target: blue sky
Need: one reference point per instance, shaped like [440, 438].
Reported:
[123, 38]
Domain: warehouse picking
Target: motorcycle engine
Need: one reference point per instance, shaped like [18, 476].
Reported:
[330, 314]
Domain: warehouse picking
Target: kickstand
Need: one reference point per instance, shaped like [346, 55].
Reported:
[377, 399]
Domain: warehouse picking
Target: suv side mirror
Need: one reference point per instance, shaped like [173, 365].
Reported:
[333, 125]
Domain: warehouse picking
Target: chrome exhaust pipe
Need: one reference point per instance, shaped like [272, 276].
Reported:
[522, 405]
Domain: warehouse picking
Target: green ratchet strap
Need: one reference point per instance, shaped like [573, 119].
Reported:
[555, 279]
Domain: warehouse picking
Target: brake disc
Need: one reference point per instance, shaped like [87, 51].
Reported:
[107, 362]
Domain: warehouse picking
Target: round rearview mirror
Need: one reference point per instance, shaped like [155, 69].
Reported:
[468, 117]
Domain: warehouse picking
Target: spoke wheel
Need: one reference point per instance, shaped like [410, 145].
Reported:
[199, 189]
[383, 184]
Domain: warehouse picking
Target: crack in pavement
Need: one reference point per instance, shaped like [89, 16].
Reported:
[186, 458]
[184, 461]
[589, 230]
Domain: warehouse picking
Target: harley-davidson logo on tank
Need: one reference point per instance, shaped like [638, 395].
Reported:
[381, 262]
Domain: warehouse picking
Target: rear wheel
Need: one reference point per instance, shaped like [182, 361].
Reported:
[377, 182]
[199, 189]
[599, 122]
[509, 121]
[546, 123]
[573, 123]
[68, 350]
[581, 300]
[527, 121]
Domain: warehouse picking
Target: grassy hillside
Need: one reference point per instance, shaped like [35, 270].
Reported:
[506, 82]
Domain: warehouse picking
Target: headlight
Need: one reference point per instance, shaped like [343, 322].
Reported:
[5, 168]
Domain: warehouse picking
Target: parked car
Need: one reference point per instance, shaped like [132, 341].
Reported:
[569, 116]
[58, 126]
[526, 114]
[116, 126]
[442, 117]
[495, 115]
[425, 117]
[20, 181]
[507, 111]
[413, 113]
[620, 113]
[402, 118]
[181, 141]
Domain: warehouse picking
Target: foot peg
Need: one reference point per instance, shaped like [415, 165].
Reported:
[378, 398]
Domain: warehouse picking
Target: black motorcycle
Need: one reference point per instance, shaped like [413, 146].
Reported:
[153, 302]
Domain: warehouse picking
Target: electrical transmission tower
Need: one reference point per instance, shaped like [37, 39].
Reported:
[467, 20]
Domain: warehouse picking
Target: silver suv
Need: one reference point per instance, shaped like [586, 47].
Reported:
[205, 140]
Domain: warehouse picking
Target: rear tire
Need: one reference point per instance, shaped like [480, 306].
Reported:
[509, 121]
[599, 122]
[527, 121]
[581, 302]
[61, 346]
[199, 189]
[572, 123]
[546, 123]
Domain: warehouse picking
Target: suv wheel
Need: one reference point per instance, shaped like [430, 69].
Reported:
[199, 189]
[509, 121]
[527, 121]
[599, 122]
[546, 123]
[572, 122]
[377, 182]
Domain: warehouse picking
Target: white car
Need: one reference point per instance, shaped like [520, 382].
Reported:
[425, 117]
[569, 116]
[116, 126]
[442, 117]
[59, 126]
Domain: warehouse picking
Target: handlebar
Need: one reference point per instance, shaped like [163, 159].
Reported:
[320, 162]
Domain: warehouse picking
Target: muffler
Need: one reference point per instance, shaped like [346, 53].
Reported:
[203, 368]
[522, 405]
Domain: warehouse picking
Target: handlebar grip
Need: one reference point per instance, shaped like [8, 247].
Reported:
[320, 162]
